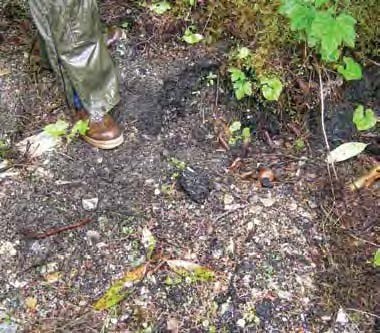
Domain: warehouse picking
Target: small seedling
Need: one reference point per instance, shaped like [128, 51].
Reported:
[191, 36]
[364, 119]
[271, 88]
[351, 69]
[211, 79]
[376, 259]
[241, 84]
[160, 7]
[239, 134]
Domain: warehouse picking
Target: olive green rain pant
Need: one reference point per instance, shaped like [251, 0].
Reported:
[75, 46]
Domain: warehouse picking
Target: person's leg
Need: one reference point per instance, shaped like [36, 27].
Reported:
[78, 54]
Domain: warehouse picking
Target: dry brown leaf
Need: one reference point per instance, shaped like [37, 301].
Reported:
[366, 180]
[4, 71]
[31, 303]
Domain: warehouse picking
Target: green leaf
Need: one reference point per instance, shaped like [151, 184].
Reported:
[190, 37]
[346, 27]
[149, 242]
[345, 151]
[364, 119]
[237, 74]
[271, 88]
[246, 134]
[376, 258]
[191, 2]
[325, 29]
[57, 129]
[160, 7]
[351, 69]
[121, 288]
[242, 89]
[235, 126]
[320, 3]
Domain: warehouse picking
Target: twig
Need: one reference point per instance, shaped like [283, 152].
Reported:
[364, 312]
[54, 231]
[323, 120]
[229, 212]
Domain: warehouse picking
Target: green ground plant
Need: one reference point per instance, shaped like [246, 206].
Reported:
[61, 129]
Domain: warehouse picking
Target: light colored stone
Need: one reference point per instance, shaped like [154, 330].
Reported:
[267, 202]
[7, 249]
[90, 204]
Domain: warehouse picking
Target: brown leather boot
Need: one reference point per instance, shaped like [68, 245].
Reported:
[103, 133]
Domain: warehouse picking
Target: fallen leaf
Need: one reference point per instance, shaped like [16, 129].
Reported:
[148, 241]
[172, 325]
[4, 71]
[31, 303]
[195, 272]
[366, 180]
[345, 151]
[121, 288]
[52, 277]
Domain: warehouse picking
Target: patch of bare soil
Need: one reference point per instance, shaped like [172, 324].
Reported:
[262, 243]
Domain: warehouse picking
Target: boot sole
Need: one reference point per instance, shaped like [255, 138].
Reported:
[101, 144]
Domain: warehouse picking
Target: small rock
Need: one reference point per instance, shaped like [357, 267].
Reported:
[172, 325]
[267, 202]
[241, 323]
[196, 183]
[92, 236]
[228, 199]
[7, 248]
[90, 204]
[341, 317]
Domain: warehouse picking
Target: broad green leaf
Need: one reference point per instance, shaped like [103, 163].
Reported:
[242, 89]
[195, 272]
[246, 134]
[160, 7]
[320, 3]
[121, 289]
[364, 119]
[237, 74]
[243, 53]
[271, 88]
[235, 126]
[346, 27]
[191, 2]
[190, 37]
[325, 29]
[345, 151]
[149, 242]
[376, 258]
[351, 69]
[57, 129]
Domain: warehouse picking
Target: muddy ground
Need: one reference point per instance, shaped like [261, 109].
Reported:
[265, 245]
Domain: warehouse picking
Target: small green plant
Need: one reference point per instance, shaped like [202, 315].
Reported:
[320, 25]
[241, 84]
[271, 88]
[191, 36]
[61, 129]
[376, 258]
[160, 7]
[364, 119]
[351, 69]
[299, 144]
[3, 148]
[325, 29]
[239, 134]
[210, 79]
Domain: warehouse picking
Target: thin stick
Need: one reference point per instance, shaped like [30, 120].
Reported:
[364, 312]
[54, 231]
[323, 120]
